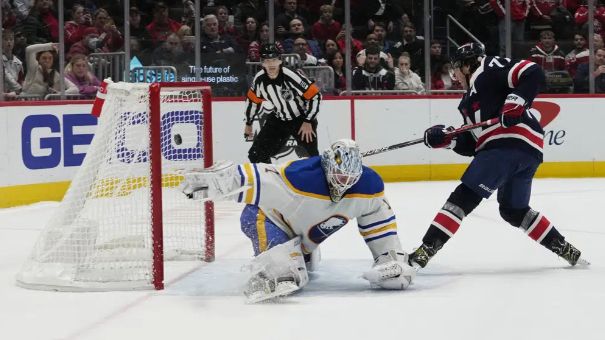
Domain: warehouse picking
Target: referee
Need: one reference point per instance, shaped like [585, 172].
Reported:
[291, 102]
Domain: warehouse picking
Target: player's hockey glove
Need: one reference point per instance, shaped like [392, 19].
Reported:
[437, 137]
[512, 110]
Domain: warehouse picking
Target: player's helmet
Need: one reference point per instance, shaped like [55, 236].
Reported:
[342, 166]
[468, 54]
[269, 51]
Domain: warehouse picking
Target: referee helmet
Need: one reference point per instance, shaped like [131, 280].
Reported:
[269, 51]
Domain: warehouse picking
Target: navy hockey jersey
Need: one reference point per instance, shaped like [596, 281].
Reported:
[489, 86]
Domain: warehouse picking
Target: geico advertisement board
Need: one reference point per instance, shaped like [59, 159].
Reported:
[44, 143]
[48, 143]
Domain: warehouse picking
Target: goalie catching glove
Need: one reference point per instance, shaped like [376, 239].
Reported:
[220, 181]
[391, 271]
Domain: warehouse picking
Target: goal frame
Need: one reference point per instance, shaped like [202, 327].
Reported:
[66, 256]
[157, 233]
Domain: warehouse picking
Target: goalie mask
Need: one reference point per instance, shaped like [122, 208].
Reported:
[342, 166]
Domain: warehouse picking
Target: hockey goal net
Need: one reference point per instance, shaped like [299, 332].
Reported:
[123, 213]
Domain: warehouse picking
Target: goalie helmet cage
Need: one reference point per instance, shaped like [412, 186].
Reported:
[123, 213]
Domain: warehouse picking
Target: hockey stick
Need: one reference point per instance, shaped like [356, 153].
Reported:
[455, 132]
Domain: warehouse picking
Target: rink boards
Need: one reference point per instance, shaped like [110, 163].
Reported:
[43, 145]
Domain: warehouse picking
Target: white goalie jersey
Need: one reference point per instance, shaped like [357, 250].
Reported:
[295, 196]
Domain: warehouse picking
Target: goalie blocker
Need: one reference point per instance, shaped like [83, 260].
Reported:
[331, 189]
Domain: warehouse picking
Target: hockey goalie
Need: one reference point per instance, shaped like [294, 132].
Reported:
[292, 208]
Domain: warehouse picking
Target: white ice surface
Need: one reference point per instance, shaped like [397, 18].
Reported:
[489, 282]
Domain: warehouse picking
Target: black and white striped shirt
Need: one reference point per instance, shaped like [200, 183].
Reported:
[291, 93]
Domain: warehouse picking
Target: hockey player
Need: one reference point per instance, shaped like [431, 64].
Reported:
[303, 203]
[506, 155]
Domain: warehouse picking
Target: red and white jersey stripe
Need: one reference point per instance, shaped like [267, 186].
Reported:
[516, 71]
[521, 132]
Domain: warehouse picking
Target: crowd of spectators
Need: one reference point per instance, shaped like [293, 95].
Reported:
[387, 44]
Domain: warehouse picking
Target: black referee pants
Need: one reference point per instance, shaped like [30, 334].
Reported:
[274, 135]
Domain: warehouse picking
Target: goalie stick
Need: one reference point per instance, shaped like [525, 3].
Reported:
[457, 131]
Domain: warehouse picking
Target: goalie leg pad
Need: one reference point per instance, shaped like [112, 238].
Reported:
[277, 272]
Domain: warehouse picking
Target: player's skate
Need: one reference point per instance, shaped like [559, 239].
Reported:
[568, 252]
[421, 256]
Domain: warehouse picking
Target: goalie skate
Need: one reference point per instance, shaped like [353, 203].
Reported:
[261, 288]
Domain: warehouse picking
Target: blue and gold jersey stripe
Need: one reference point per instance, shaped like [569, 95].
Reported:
[379, 229]
[378, 223]
[249, 176]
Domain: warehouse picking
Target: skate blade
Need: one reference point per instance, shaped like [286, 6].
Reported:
[582, 263]
[282, 289]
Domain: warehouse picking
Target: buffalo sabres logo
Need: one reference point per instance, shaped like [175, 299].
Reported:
[319, 232]
[286, 93]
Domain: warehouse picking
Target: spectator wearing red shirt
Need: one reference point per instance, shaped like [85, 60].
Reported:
[519, 9]
[441, 78]
[106, 28]
[326, 27]
[578, 55]
[541, 10]
[547, 53]
[356, 45]
[161, 26]
[581, 18]
[80, 20]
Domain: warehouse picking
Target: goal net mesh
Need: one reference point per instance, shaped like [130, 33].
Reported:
[100, 237]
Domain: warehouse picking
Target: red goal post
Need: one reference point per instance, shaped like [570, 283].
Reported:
[123, 214]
